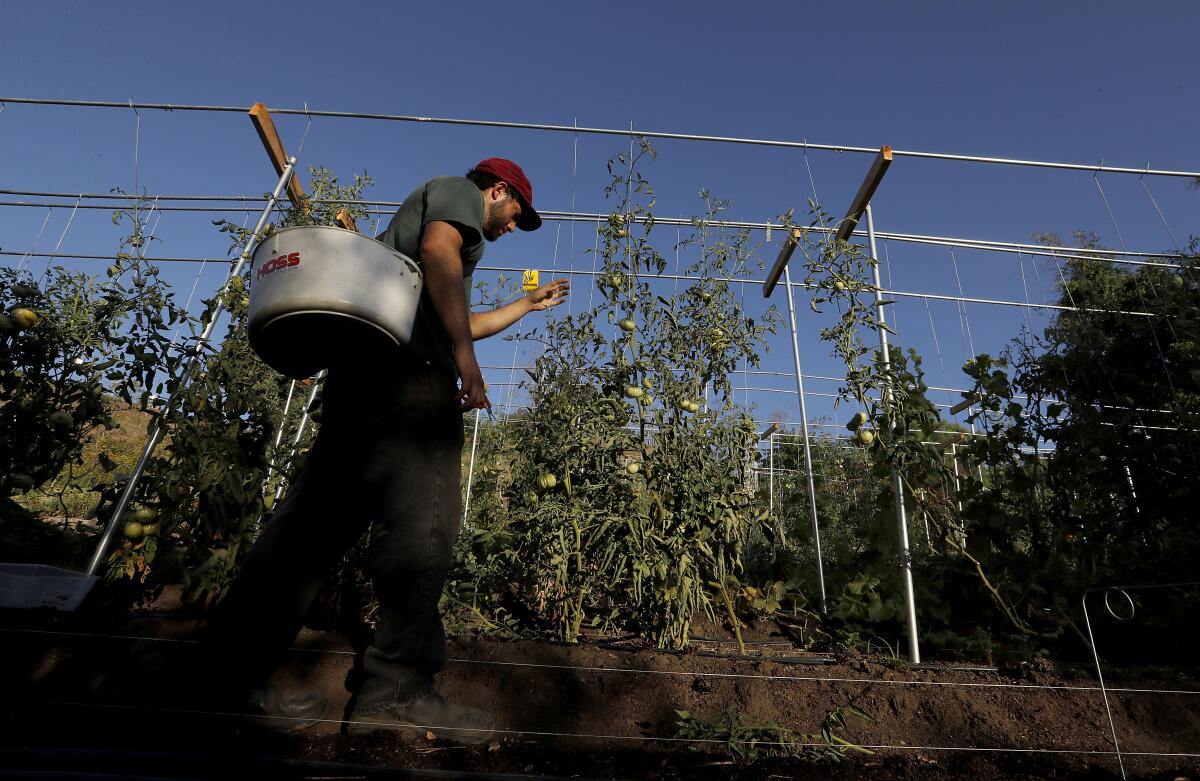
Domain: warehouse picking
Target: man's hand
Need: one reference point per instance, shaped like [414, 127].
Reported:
[549, 295]
[472, 394]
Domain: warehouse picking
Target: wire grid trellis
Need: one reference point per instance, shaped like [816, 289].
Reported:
[960, 301]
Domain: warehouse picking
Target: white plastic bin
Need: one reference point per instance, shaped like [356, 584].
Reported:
[40, 585]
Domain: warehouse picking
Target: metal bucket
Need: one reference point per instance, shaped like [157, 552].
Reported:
[320, 296]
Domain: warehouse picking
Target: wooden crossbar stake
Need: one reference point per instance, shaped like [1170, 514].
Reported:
[874, 176]
[965, 403]
[274, 146]
[261, 117]
[878, 168]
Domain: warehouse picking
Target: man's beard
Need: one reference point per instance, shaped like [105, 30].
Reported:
[493, 219]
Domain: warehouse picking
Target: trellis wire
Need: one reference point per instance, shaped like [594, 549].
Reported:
[1080, 253]
[36, 239]
[937, 346]
[481, 267]
[1123, 590]
[667, 673]
[601, 736]
[62, 236]
[1108, 208]
[1161, 216]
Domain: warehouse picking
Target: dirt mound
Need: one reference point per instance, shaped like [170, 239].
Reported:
[596, 711]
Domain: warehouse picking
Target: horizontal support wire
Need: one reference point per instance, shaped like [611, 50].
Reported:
[584, 272]
[636, 738]
[625, 132]
[1108, 256]
[675, 673]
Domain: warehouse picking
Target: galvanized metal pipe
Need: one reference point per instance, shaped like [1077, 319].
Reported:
[300, 430]
[808, 465]
[631, 132]
[910, 602]
[471, 467]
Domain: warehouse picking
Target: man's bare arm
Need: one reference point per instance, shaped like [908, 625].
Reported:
[441, 258]
[485, 324]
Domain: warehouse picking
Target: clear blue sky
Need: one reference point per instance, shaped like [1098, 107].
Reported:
[1074, 81]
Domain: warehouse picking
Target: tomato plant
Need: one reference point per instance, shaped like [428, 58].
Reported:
[653, 506]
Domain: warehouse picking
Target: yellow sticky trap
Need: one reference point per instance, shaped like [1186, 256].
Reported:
[530, 281]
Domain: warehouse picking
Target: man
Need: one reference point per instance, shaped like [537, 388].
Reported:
[388, 456]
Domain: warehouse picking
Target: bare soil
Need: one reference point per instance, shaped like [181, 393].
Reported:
[85, 693]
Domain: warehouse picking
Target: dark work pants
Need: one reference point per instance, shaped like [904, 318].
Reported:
[387, 457]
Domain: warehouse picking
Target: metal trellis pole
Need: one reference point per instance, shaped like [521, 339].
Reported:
[304, 416]
[471, 466]
[910, 602]
[771, 484]
[808, 467]
[157, 432]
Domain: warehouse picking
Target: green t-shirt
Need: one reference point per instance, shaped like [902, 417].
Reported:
[452, 199]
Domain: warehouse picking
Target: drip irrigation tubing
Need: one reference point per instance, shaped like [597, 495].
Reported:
[630, 132]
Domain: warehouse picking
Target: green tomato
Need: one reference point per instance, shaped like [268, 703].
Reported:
[685, 405]
[839, 285]
[628, 325]
[632, 469]
[646, 400]
[634, 392]
[865, 437]
[133, 530]
[61, 419]
[145, 514]
[149, 529]
[24, 317]
[856, 421]
[646, 383]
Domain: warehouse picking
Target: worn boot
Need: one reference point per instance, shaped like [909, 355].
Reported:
[284, 712]
[427, 712]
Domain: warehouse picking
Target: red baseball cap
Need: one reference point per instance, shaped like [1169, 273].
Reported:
[510, 172]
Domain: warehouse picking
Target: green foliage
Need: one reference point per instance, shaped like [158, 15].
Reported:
[1090, 434]
[74, 349]
[89, 335]
[645, 519]
[207, 480]
[748, 740]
